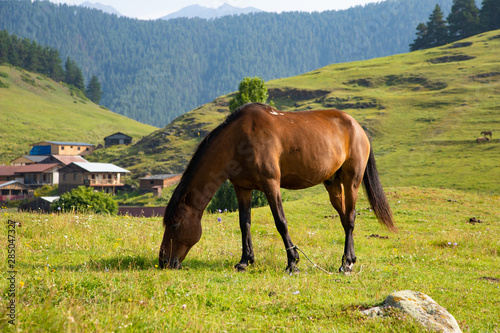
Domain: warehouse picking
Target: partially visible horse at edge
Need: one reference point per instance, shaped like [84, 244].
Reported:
[260, 148]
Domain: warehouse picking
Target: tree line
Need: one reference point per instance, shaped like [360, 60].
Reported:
[465, 20]
[27, 54]
[154, 71]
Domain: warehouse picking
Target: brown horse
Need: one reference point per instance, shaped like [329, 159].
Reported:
[260, 148]
[487, 133]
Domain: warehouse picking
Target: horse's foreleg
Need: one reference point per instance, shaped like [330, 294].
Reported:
[245, 207]
[273, 196]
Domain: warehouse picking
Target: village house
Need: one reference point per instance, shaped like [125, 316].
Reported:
[62, 148]
[28, 159]
[14, 190]
[156, 183]
[103, 177]
[117, 139]
[63, 160]
[35, 175]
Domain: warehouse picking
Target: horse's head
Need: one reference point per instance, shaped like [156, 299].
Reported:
[182, 231]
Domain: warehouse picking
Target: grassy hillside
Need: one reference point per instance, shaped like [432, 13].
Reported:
[34, 108]
[423, 109]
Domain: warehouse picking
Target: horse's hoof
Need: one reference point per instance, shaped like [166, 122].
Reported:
[292, 270]
[240, 268]
[346, 270]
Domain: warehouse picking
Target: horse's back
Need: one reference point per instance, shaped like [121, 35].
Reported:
[303, 148]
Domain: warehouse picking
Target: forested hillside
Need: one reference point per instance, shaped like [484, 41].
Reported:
[153, 71]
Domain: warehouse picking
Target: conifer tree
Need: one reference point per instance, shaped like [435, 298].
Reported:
[489, 15]
[463, 20]
[432, 34]
[93, 91]
[73, 74]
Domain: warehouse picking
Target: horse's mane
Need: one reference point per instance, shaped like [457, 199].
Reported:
[192, 166]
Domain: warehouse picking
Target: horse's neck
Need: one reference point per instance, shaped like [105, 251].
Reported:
[206, 181]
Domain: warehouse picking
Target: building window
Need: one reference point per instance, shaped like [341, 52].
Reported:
[87, 149]
[64, 176]
[62, 147]
[78, 148]
[74, 176]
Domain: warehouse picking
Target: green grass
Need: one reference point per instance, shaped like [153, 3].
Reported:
[84, 273]
[34, 108]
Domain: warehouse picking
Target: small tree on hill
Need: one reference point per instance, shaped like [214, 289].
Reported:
[463, 20]
[93, 91]
[250, 90]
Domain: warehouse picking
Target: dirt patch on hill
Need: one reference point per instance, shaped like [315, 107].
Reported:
[296, 94]
[351, 103]
[458, 45]
[453, 58]
[485, 77]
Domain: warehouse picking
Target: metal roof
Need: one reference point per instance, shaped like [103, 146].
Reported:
[159, 177]
[64, 143]
[99, 167]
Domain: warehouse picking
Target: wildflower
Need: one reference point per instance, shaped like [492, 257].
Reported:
[21, 284]
[219, 210]
[219, 219]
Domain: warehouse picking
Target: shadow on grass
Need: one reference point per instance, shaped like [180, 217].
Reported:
[132, 263]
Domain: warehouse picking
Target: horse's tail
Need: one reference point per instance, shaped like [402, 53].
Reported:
[376, 196]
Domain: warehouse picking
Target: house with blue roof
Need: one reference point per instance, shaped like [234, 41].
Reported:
[62, 148]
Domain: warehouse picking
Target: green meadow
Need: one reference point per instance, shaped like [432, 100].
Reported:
[89, 273]
[34, 108]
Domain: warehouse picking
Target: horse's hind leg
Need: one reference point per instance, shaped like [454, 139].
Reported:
[245, 207]
[343, 192]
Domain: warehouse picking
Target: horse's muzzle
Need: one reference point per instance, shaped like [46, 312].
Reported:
[174, 263]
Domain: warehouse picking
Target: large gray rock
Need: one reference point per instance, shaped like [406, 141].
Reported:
[419, 306]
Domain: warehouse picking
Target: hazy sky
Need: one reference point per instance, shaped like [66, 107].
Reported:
[151, 9]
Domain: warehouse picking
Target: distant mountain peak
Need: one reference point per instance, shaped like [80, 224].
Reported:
[210, 13]
[105, 8]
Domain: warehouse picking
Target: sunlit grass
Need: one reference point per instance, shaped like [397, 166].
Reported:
[98, 273]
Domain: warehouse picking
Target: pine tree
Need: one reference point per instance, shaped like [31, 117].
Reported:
[93, 91]
[463, 20]
[432, 34]
[73, 74]
[436, 28]
[421, 41]
[489, 15]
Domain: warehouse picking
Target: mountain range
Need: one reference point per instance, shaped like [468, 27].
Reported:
[210, 13]
[104, 8]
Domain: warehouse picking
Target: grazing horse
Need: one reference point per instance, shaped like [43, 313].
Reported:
[482, 139]
[487, 133]
[260, 148]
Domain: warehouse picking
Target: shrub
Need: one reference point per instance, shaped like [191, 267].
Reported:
[84, 199]
[225, 198]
